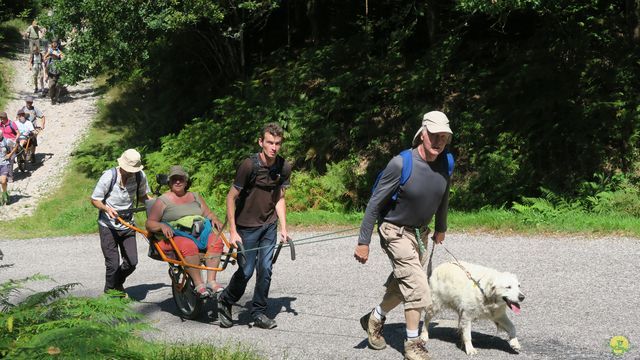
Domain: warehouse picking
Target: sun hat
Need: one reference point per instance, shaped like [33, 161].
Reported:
[177, 170]
[21, 111]
[434, 122]
[3, 115]
[29, 99]
[130, 161]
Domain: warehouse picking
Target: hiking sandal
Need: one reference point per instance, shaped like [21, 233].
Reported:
[202, 291]
[214, 287]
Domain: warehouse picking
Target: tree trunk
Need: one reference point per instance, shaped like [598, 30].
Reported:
[632, 13]
[432, 25]
[313, 16]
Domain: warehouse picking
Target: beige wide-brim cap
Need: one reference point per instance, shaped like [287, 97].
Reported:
[177, 170]
[130, 161]
[435, 122]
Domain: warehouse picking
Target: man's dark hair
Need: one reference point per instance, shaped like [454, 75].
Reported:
[272, 128]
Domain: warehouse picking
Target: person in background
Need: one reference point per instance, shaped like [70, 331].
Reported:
[25, 128]
[33, 34]
[36, 66]
[10, 133]
[52, 60]
[34, 115]
[5, 169]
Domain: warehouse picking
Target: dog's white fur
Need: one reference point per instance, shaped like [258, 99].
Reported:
[451, 288]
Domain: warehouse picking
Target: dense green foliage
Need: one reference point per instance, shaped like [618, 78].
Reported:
[51, 323]
[542, 95]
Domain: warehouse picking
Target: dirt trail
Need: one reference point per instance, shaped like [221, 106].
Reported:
[66, 124]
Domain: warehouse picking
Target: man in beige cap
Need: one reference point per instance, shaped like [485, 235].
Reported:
[403, 211]
[117, 190]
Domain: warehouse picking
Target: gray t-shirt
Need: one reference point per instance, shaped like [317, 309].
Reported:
[425, 194]
[33, 114]
[4, 150]
[120, 198]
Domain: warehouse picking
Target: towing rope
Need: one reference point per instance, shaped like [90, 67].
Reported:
[303, 241]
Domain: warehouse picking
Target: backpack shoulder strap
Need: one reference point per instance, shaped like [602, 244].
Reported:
[14, 130]
[138, 180]
[407, 166]
[114, 178]
[280, 168]
[255, 161]
[450, 162]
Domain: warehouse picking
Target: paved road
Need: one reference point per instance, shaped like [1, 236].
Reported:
[580, 293]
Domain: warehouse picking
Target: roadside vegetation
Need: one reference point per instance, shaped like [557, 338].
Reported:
[52, 324]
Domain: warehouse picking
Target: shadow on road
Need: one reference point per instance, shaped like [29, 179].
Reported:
[139, 292]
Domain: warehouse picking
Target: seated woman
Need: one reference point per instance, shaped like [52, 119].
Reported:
[179, 204]
[25, 128]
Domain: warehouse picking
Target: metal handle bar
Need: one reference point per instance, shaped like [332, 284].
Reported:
[240, 257]
[291, 246]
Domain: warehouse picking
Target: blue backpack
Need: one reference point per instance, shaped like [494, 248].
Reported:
[407, 166]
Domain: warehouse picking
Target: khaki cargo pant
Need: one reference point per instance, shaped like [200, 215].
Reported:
[408, 280]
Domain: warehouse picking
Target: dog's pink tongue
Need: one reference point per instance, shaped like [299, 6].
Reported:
[515, 309]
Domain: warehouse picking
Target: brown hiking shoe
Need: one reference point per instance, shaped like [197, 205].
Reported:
[373, 327]
[416, 349]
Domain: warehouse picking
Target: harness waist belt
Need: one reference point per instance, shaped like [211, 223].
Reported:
[412, 229]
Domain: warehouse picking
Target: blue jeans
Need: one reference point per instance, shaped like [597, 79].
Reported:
[260, 260]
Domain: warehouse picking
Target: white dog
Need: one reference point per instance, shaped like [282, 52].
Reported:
[474, 292]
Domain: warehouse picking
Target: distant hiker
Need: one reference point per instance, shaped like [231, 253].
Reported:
[33, 34]
[33, 113]
[10, 133]
[36, 66]
[179, 209]
[5, 169]
[35, 116]
[402, 226]
[25, 128]
[52, 60]
[255, 203]
[119, 188]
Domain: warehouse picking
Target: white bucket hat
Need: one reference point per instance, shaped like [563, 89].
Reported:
[435, 122]
[130, 161]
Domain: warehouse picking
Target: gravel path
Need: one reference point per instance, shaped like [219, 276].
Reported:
[66, 124]
[580, 293]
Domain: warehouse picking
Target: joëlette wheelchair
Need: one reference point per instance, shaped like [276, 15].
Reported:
[27, 153]
[182, 287]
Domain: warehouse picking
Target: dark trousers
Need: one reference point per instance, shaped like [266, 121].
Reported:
[54, 90]
[111, 242]
[260, 261]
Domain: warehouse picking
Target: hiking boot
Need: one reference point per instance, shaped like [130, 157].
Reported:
[262, 321]
[373, 327]
[416, 349]
[224, 314]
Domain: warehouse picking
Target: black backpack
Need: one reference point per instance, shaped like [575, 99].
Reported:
[275, 172]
